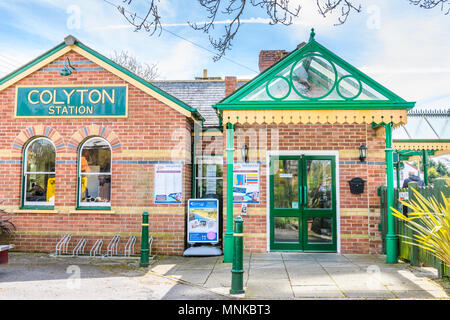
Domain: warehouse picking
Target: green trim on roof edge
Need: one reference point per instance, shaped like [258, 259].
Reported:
[234, 101]
[62, 45]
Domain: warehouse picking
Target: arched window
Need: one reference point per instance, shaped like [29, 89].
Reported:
[39, 174]
[94, 174]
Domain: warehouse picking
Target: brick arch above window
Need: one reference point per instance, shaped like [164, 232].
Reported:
[38, 131]
[94, 130]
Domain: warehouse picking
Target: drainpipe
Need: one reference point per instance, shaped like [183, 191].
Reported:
[194, 173]
[228, 243]
[391, 237]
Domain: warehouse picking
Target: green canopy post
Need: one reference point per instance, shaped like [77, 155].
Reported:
[229, 241]
[391, 237]
[425, 166]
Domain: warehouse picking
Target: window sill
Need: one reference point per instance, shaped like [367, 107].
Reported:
[24, 210]
[90, 211]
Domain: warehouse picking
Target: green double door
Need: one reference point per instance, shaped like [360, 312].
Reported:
[303, 203]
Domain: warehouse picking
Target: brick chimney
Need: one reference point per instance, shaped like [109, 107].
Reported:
[268, 58]
[230, 85]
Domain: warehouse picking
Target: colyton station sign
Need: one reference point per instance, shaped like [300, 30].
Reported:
[72, 101]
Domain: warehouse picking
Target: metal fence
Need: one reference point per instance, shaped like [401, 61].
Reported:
[415, 255]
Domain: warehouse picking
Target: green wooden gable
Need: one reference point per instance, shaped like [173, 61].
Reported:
[312, 77]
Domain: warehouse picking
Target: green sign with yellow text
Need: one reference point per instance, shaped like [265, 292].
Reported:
[72, 101]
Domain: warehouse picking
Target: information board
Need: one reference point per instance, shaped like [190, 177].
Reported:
[246, 183]
[203, 224]
[168, 183]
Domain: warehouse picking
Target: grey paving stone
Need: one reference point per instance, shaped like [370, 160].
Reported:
[298, 256]
[266, 256]
[317, 291]
[365, 293]
[269, 289]
[420, 294]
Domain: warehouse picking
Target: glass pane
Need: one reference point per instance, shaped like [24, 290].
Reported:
[313, 76]
[320, 230]
[286, 229]
[95, 188]
[285, 188]
[41, 156]
[319, 183]
[209, 188]
[278, 87]
[40, 188]
[209, 170]
[96, 156]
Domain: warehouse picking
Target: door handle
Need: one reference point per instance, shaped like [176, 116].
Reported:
[301, 197]
[304, 195]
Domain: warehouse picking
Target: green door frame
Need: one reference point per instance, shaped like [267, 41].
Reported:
[302, 212]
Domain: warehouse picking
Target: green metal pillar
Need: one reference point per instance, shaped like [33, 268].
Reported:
[144, 241]
[397, 171]
[425, 166]
[228, 242]
[391, 237]
[237, 270]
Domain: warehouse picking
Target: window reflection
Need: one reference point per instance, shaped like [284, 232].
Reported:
[286, 229]
[95, 173]
[320, 230]
[39, 173]
[319, 183]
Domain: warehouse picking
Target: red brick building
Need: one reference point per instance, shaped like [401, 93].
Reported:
[84, 141]
[153, 129]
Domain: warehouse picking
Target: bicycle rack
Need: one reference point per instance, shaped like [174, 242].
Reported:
[96, 248]
[63, 245]
[129, 246]
[150, 242]
[112, 246]
[79, 248]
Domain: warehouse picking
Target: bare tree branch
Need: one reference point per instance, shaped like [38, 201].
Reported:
[346, 7]
[144, 70]
[278, 11]
[151, 22]
[431, 4]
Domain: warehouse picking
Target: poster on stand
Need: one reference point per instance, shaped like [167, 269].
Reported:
[203, 224]
[246, 183]
[168, 183]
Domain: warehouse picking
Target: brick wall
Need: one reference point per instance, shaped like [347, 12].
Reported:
[153, 132]
[359, 213]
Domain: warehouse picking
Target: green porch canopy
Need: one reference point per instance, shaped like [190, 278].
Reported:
[313, 78]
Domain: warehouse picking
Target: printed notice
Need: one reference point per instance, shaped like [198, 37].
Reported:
[246, 183]
[168, 183]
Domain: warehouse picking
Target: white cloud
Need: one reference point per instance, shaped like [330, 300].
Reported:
[181, 62]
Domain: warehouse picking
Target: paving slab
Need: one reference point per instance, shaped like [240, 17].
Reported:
[317, 291]
[269, 289]
[297, 256]
[365, 293]
[420, 294]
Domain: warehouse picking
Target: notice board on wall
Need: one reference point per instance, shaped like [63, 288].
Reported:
[168, 183]
[246, 183]
[203, 224]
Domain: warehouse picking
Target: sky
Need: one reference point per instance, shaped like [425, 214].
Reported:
[401, 46]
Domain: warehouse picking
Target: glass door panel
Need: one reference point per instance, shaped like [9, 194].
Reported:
[319, 210]
[285, 203]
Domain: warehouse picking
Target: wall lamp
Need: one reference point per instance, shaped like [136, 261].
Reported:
[65, 71]
[244, 151]
[362, 153]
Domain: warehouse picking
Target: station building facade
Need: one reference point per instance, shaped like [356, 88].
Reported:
[307, 125]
